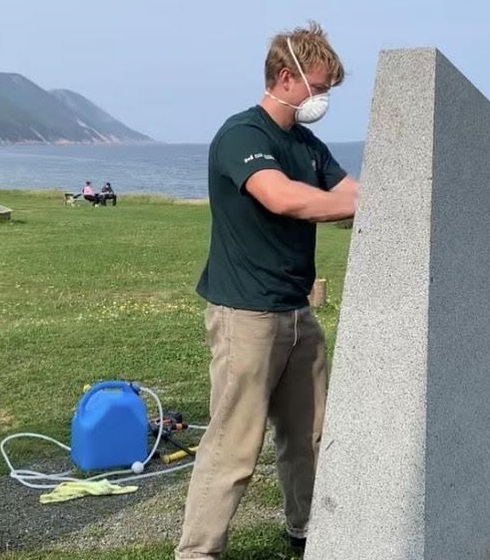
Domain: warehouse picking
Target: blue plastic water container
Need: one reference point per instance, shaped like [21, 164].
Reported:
[109, 428]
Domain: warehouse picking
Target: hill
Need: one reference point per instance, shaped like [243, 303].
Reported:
[30, 114]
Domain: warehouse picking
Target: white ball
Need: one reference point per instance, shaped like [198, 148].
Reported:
[137, 467]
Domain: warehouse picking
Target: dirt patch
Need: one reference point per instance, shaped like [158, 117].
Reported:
[6, 419]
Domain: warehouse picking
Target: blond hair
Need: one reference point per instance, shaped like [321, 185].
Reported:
[311, 47]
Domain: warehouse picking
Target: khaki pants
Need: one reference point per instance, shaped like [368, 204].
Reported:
[264, 365]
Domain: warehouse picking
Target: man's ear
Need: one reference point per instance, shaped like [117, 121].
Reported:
[284, 78]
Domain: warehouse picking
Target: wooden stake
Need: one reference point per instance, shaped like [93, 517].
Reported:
[318, 293]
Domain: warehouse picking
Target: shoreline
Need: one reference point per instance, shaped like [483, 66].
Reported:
[57, 193]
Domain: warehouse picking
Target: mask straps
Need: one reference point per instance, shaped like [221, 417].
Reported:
[298, 66]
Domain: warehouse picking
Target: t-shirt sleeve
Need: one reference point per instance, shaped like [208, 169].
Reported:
[242, 151]
[331, 172]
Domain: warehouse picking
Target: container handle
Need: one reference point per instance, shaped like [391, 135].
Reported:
[123, 385]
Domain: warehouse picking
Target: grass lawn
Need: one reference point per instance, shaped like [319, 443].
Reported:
[90, 294]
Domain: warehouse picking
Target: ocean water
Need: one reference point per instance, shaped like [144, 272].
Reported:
[174, 170]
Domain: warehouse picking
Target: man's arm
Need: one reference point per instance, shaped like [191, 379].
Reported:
[347, 185]
[274, 190]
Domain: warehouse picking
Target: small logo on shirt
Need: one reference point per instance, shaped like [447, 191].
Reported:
[251, 157]
[313, 164]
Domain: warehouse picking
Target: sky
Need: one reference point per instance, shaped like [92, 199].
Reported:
[175, 70]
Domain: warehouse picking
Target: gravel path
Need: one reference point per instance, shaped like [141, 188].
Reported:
[91, 522]
[151, 514]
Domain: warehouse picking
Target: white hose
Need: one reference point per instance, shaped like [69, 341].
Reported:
[160, 429]
[25, 475]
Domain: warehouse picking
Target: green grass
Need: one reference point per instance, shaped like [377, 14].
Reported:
[259, 543]
[89, 294]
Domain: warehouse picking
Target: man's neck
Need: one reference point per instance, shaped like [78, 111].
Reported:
[283, 116]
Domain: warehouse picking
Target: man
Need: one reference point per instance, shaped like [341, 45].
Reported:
[270, 181]
[107, 193]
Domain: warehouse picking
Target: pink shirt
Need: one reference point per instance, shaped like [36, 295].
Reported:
[87, 190]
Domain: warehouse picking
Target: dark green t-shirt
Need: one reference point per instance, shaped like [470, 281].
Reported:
[259, 260]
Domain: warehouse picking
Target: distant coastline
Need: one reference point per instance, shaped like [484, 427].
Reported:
[66, 142]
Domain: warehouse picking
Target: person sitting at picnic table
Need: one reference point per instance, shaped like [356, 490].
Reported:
[89, 194]
[107, 193]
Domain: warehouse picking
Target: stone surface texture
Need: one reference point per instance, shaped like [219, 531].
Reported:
[404, 470]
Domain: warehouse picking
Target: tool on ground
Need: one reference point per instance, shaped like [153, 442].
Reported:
[177, 455]
[171, 422]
